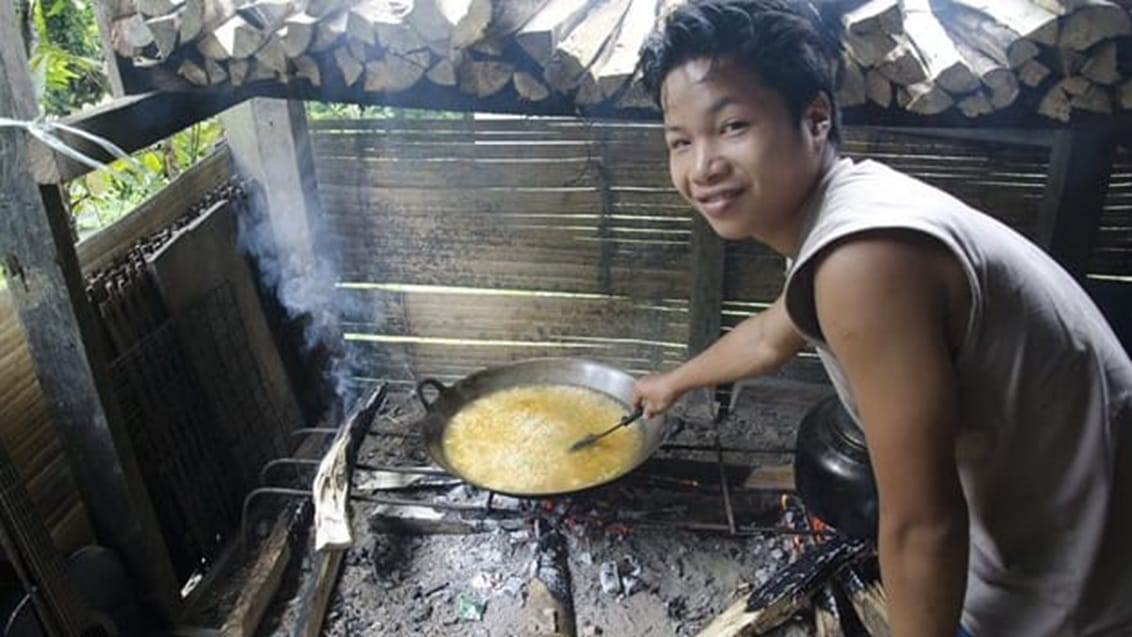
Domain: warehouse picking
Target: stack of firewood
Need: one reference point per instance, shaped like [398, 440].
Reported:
[921, 56]
[979, 55]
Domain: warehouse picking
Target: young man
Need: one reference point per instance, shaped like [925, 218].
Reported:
[995, 400]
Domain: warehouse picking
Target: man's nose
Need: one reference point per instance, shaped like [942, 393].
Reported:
[709, 165]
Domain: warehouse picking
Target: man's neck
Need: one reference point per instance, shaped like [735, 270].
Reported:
[788, 241]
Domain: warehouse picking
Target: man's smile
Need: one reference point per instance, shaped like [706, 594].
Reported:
[717, 202]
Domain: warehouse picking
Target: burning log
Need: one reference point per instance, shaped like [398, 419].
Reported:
[868, 599]
[827, 614]
[331, 486]
[787, 591]
[550, 588]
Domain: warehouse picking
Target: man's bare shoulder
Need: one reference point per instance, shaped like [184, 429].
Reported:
[881, 281]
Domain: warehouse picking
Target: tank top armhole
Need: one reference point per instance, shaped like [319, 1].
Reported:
[799, 286]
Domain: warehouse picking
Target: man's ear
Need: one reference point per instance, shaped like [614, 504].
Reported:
[818, 117]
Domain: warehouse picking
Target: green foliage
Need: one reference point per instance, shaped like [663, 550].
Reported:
[68, 71]
[335, 110]
[101, 197]
[65, 60]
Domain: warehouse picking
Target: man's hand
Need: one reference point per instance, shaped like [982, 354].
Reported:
[760, 344]
[656, 393]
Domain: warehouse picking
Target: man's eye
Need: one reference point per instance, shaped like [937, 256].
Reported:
[674, 144]
[734, 127]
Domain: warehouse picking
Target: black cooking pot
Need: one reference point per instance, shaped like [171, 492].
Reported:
[832, 470]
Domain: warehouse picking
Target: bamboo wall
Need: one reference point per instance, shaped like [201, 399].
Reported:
[468, 243]
[1113, 253]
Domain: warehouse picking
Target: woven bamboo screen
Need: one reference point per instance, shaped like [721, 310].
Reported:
[467, 243]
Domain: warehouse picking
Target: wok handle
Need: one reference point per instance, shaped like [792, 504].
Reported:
[440, 388]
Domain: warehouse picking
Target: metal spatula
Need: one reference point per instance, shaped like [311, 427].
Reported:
[629, 418]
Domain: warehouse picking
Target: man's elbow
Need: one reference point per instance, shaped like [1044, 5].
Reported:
[935, 533]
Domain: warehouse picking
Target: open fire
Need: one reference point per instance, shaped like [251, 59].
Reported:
[687, 544]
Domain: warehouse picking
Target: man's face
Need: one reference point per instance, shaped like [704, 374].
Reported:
[736, 154]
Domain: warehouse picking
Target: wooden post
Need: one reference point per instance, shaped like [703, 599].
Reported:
[705, 312]
[1079, 168]
[46, 284]
[270, 146]
[271, 149]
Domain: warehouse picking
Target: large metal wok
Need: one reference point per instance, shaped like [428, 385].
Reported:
[450, 399]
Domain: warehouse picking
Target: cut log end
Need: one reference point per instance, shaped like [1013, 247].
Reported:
[483, 79]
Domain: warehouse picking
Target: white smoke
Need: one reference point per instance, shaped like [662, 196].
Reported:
[298, 265]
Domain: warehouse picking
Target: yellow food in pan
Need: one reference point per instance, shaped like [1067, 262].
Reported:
[518, 440]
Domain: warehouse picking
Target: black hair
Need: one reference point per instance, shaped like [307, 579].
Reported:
[784, 42]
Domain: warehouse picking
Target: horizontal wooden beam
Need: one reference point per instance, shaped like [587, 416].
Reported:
[132, 123]
[137, 121]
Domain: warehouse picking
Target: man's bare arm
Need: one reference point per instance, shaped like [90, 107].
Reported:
[760, 344]
[882, 305]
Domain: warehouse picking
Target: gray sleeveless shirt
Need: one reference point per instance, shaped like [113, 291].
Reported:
[1045, 450]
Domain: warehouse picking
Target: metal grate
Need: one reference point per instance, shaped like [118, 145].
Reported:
[171, 430]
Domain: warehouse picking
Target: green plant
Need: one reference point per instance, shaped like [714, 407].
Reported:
[334, 110]
[65, 57]
[101, 197]
[65, 61]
